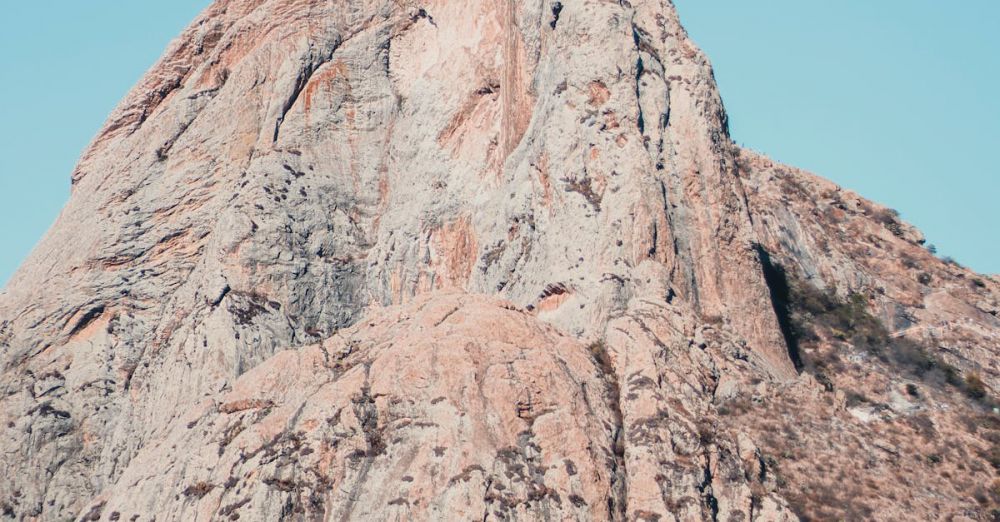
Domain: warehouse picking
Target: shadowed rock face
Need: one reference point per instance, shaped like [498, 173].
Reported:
[491, 260]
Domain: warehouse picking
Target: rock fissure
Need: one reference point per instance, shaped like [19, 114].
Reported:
[86, 319]
[358, 320]
[707, 491]
[556, 8]
[777, 284]
[618, 494]
[312, 63]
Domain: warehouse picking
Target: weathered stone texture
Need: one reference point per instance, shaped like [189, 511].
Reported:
[449, 260]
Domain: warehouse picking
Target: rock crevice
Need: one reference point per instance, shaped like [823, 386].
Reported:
[349, 261]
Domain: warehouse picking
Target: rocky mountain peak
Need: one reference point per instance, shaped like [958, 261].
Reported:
[433, 260]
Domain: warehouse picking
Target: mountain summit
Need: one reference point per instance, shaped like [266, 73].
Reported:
[450, 260]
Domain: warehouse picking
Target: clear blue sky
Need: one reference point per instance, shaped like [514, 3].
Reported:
[896, 99]
[64, 65]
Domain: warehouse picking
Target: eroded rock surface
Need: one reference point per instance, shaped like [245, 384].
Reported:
[435, 260]
[452, 407]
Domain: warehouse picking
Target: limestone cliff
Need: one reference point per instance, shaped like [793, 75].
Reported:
[494, 260]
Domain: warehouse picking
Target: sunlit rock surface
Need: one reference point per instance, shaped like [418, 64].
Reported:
[477, 260]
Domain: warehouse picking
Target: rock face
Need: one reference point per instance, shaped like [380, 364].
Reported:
[491, 260]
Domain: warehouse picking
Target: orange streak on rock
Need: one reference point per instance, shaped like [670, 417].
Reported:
[516, 100]
[599, 93]
[454, 253]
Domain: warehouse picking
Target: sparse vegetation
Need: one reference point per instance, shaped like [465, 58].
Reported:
[599, 351]
[993, 455]
[736, 406]
[850, 321]
[819, 500]
[922, 424]
[838, 338]
[808, 315]
[974, 386]
[585, 188]
[889, 218]
[855, 399]
[198, 490]
[706, 433]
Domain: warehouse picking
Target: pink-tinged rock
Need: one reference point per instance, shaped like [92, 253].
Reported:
[453, 406]
[445, 260]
